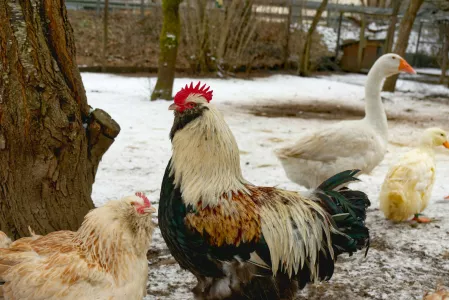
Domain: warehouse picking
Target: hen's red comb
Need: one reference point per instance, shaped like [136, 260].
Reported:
[181, 96]
[145, 199]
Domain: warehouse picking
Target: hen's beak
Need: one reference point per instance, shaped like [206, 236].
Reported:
[405, 67]
[173, 107]
[150, 210]
[446, 144]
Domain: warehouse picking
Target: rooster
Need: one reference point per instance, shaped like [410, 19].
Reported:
[242, 241]
[104, 259]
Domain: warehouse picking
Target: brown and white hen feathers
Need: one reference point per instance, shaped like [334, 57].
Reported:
[104, 259]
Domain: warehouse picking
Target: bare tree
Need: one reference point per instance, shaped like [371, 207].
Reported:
[221, 38]
[304, 64]
[289, 6]
[402, 42]
[392, 26]
[50, 142]
[105, 34]
[169, 41]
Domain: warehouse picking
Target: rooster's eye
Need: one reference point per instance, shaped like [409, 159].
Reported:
[190, 105]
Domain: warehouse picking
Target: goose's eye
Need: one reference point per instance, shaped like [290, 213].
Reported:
[393, 57]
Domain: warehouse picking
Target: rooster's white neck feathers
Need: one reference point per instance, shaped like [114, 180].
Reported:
[206, 160]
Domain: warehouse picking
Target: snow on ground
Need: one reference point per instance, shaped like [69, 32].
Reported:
[432, 71]
[404, 261]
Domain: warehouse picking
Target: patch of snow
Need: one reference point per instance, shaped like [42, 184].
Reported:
[432, 71]
[171, 36]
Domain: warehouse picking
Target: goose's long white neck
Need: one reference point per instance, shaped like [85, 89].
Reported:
[206, 160]
[374, 109]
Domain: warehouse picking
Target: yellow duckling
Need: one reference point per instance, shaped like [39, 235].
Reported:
[408, 185]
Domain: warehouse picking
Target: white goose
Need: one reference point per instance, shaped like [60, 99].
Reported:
[345, 145]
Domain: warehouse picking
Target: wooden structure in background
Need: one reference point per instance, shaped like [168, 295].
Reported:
[370, 52]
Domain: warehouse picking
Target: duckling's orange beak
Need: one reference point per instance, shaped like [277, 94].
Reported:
[405, 67]
[446, 144]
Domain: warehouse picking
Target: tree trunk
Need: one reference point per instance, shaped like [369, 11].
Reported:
[392, 27]
[168, 44]
[304, 64]
[50, 144]
[402, 42]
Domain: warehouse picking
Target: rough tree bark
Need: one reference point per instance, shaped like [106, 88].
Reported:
[168, 44]
[304, 64]
[50, 143]
[402, 42]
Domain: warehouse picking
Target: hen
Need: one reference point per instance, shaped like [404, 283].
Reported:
[5, 241]
[104, 259]
[238, 239]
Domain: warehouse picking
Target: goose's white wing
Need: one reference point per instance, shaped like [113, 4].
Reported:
[344, 139]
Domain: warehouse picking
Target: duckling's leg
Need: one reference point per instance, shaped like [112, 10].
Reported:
[421, 219]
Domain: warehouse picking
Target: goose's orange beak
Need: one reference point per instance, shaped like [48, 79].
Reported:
[446, 144]
[405, 67]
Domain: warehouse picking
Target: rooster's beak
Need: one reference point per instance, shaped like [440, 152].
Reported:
[173, 107]
[405, 67]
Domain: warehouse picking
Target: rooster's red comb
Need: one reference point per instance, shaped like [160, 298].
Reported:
[181, 96]
[145, 199]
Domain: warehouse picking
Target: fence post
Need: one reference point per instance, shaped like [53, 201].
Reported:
[337, 47]
[361, 42]
[98, 8]
[444, 61]
[142, 8]
[417, 43]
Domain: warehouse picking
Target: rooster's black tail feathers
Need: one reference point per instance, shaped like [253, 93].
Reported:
[348, 210]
